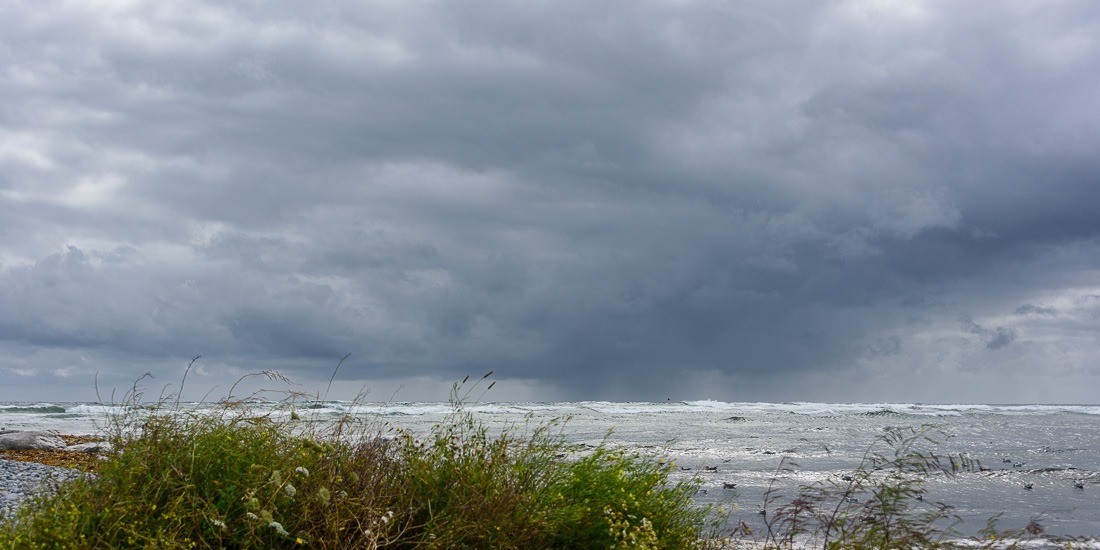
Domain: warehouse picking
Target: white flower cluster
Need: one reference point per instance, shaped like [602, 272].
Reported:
[278, 527]
[382, 520]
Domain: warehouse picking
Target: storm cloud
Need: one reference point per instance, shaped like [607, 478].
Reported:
[859, 200]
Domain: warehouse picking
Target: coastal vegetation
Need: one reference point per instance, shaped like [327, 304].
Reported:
[881, 504]
[233, 478]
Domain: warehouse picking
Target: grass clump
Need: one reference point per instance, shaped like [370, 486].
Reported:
[232, 479]
[519, 491]
[222, 481]
[881, 505]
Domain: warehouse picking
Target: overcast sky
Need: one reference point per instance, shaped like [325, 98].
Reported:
[742, 200]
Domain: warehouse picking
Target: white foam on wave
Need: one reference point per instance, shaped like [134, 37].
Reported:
[602, 408]
[1036, 543]
[807, 542]
[95, 410]
[428, 409]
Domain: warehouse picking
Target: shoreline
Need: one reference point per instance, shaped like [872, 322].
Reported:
[82, 460]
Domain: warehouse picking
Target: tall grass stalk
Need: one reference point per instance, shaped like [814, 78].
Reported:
[881, 505]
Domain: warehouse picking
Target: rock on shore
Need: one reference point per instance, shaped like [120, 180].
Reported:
[30, 441]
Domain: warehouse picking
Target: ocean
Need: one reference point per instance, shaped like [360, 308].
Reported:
[778, 446]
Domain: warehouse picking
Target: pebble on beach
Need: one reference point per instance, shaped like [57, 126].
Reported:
[20, 480]
[32, 461]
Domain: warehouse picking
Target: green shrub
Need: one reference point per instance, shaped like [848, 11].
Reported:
[615, 499]
[469, 490]
[210, 482]
[233, 479]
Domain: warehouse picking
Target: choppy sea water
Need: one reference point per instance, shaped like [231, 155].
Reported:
[1050, 448]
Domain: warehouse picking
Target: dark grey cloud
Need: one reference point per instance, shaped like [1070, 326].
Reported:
[994, 338]
[629, 200]
[1032, 309]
